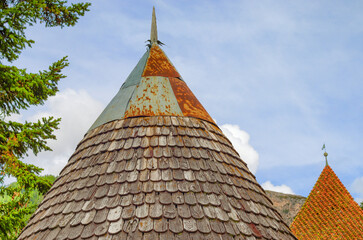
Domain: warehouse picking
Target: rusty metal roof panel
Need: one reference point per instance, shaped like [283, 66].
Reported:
[154, 87]
[153, 97]
[188, 103]
[158, 64]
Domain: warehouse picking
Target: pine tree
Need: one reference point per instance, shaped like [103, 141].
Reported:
[19, 90]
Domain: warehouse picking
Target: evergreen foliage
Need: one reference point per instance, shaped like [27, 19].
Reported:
[19, 90]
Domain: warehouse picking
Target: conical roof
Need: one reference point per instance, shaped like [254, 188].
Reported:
[155, 165]
[329, 212]
[154, 88]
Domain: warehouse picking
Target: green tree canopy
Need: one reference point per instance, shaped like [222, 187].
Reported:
[19, 90]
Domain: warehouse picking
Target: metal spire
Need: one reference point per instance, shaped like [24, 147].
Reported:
[326, 158]
[325, 155]
[154, 30]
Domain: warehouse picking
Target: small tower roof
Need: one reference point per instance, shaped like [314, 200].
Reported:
[329, 212]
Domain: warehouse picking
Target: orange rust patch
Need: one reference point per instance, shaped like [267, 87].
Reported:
[188, 103]
[153, 97]
[158, 64]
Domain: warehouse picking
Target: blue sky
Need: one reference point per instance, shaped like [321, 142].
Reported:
[281, 77]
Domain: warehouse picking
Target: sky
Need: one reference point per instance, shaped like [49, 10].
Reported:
[281, 78]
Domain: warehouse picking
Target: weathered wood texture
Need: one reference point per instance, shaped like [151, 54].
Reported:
[156, 178]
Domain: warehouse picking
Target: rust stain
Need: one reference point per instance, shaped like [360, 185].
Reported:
[158, 64]
[256, 232]
[153, 98]
[188, 103]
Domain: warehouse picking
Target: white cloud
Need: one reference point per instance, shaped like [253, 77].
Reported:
[281, 188]
[240, 140]
[357, 187]
[14, 118]
[78, 111]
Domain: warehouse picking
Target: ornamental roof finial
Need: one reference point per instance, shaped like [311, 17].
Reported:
[325, 155]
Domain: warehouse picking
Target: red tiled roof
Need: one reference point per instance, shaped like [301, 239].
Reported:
[329, 212]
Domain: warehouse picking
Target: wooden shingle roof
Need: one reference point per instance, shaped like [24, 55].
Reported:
[155, 166]
[329, 212]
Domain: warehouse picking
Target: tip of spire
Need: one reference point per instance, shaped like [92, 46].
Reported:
[325, 154]
[154, 30]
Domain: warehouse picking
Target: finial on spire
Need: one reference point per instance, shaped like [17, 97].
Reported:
[325, 155]
[154, 30]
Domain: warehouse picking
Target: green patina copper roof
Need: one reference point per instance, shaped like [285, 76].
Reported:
[117, 107]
